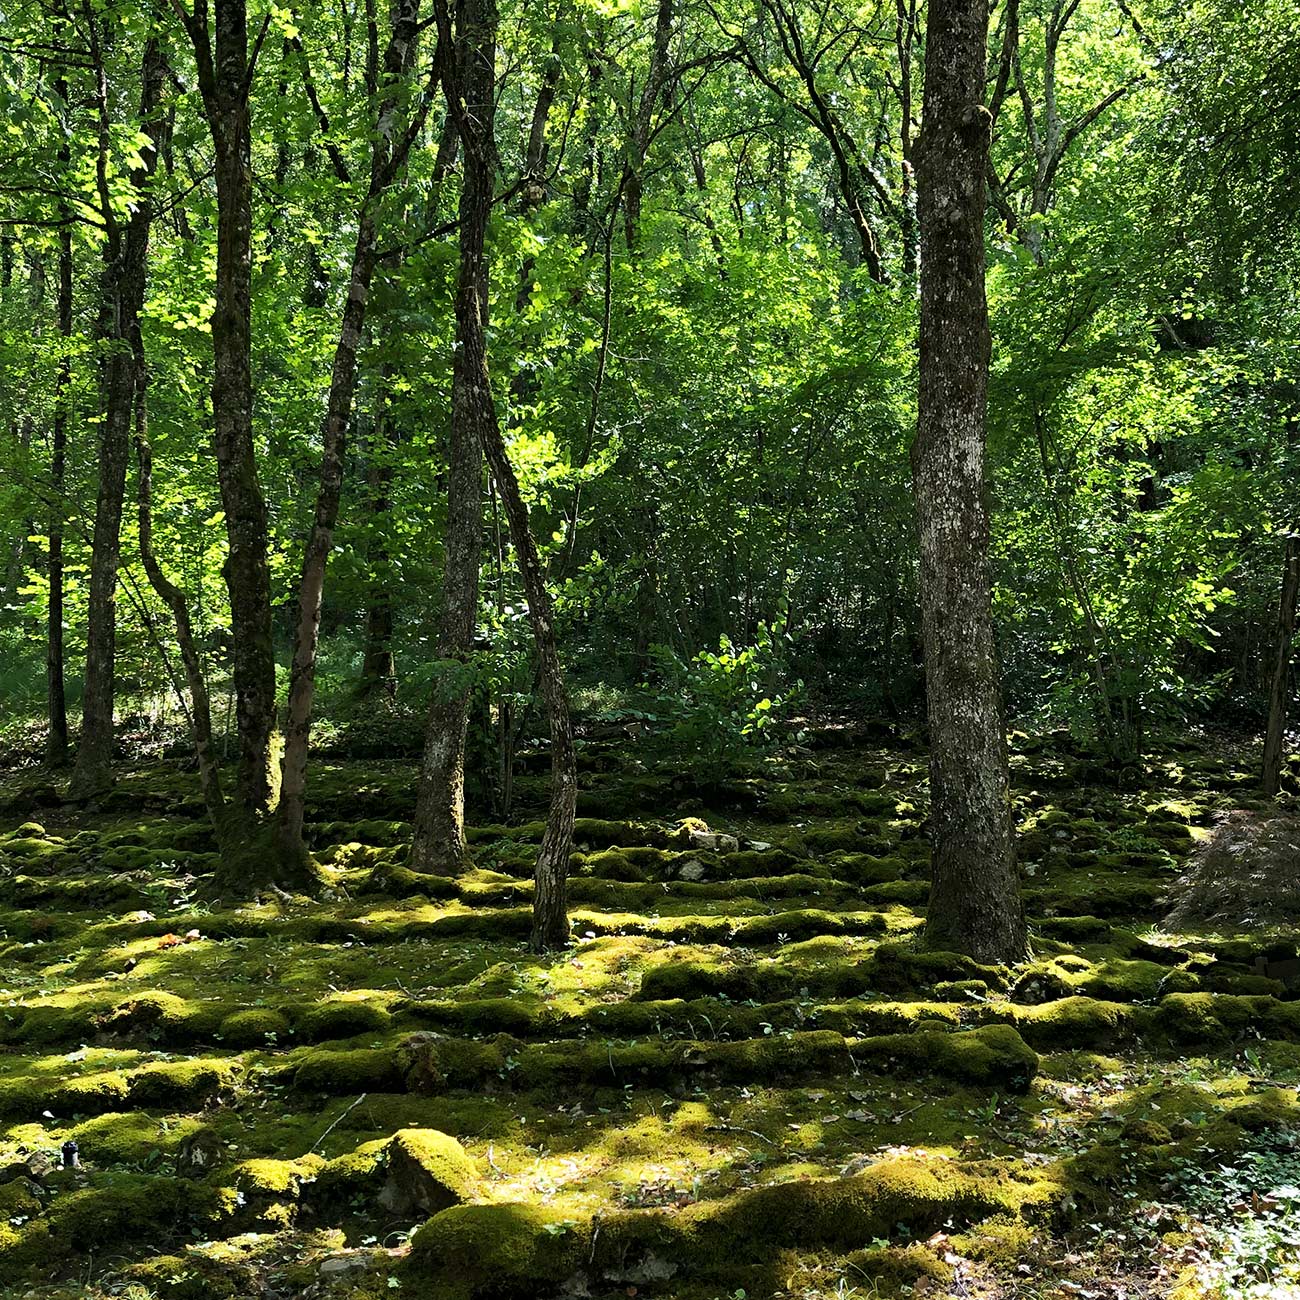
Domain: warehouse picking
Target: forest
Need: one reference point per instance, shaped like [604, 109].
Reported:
[647, 649]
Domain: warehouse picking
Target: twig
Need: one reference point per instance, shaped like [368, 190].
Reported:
[337, 1122]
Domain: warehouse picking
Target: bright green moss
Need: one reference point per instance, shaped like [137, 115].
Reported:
[342, 1018]
[163, 1017]
[1076, 1022]
[182, 1085]
[476, 1247]
[339, 1073]
[256, 1027]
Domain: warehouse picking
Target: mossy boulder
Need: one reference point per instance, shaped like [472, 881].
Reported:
[255, 1027]
[342, 1018]
[181, 1085]
[427, 1171]
[507, 1249]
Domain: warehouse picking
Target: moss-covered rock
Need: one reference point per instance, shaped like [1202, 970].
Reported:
[255, 1027]
[342, 1018]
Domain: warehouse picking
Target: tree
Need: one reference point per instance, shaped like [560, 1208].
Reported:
[975, 902]
[469, 82]
[226, 68]
[123, 287]
[394, 131]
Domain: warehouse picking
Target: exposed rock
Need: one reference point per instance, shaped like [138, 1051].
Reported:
[712, 841]
[692, 869]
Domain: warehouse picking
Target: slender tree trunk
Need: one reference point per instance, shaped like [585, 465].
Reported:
[473, 106]
[126, 256]
[378, 670]
[397, 60]
[975, 904]
[638, 145]
[439, 841]
[1278, 694]
[198, 708]
[56, 744]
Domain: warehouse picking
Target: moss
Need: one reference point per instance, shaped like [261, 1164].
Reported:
[1219, 1017]
[519, 1249]
[991, 1056]
[164, 1017]
[1076, 1022]
[256, 1027]
[91, 1094]
[180, 1084]
[894, 1267]
[344, 1073]
[120, 1208]
[427, 1171]
[187, 1277]
[342, 1018]
[505, 1247]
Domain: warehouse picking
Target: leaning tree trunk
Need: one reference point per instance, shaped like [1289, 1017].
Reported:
[470, 97]
[1277, 697]
[975, 904]
[124, 286]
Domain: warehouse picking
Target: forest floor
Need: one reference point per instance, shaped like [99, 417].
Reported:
[744, 1079]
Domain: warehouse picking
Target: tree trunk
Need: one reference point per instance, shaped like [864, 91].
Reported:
[975, 904]
[439, 840]
[56, 743]
[473, 106]
[198, 708]
[378, 669]
[384, 162]
[126, 256]
[247, 571]
[1277, 697]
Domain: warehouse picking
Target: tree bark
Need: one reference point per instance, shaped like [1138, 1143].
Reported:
[198, 708]
[56, 743]
[225, 81]
[126, 254]
[472, 103]
[1275, 728]
[1275, 732]
[975, 904]
[386, 157]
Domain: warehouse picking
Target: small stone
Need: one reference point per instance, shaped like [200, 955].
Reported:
[692, 869]
[341, 1263]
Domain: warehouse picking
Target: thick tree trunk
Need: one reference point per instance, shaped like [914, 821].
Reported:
[472, 103]
[293, 783]
[1275, 733]
[975, 904]
[56, 743]
[248, 577]
[124, 287]
[439, 839]
[199, 707]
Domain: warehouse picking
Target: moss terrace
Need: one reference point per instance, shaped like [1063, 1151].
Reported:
[743, 1078]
